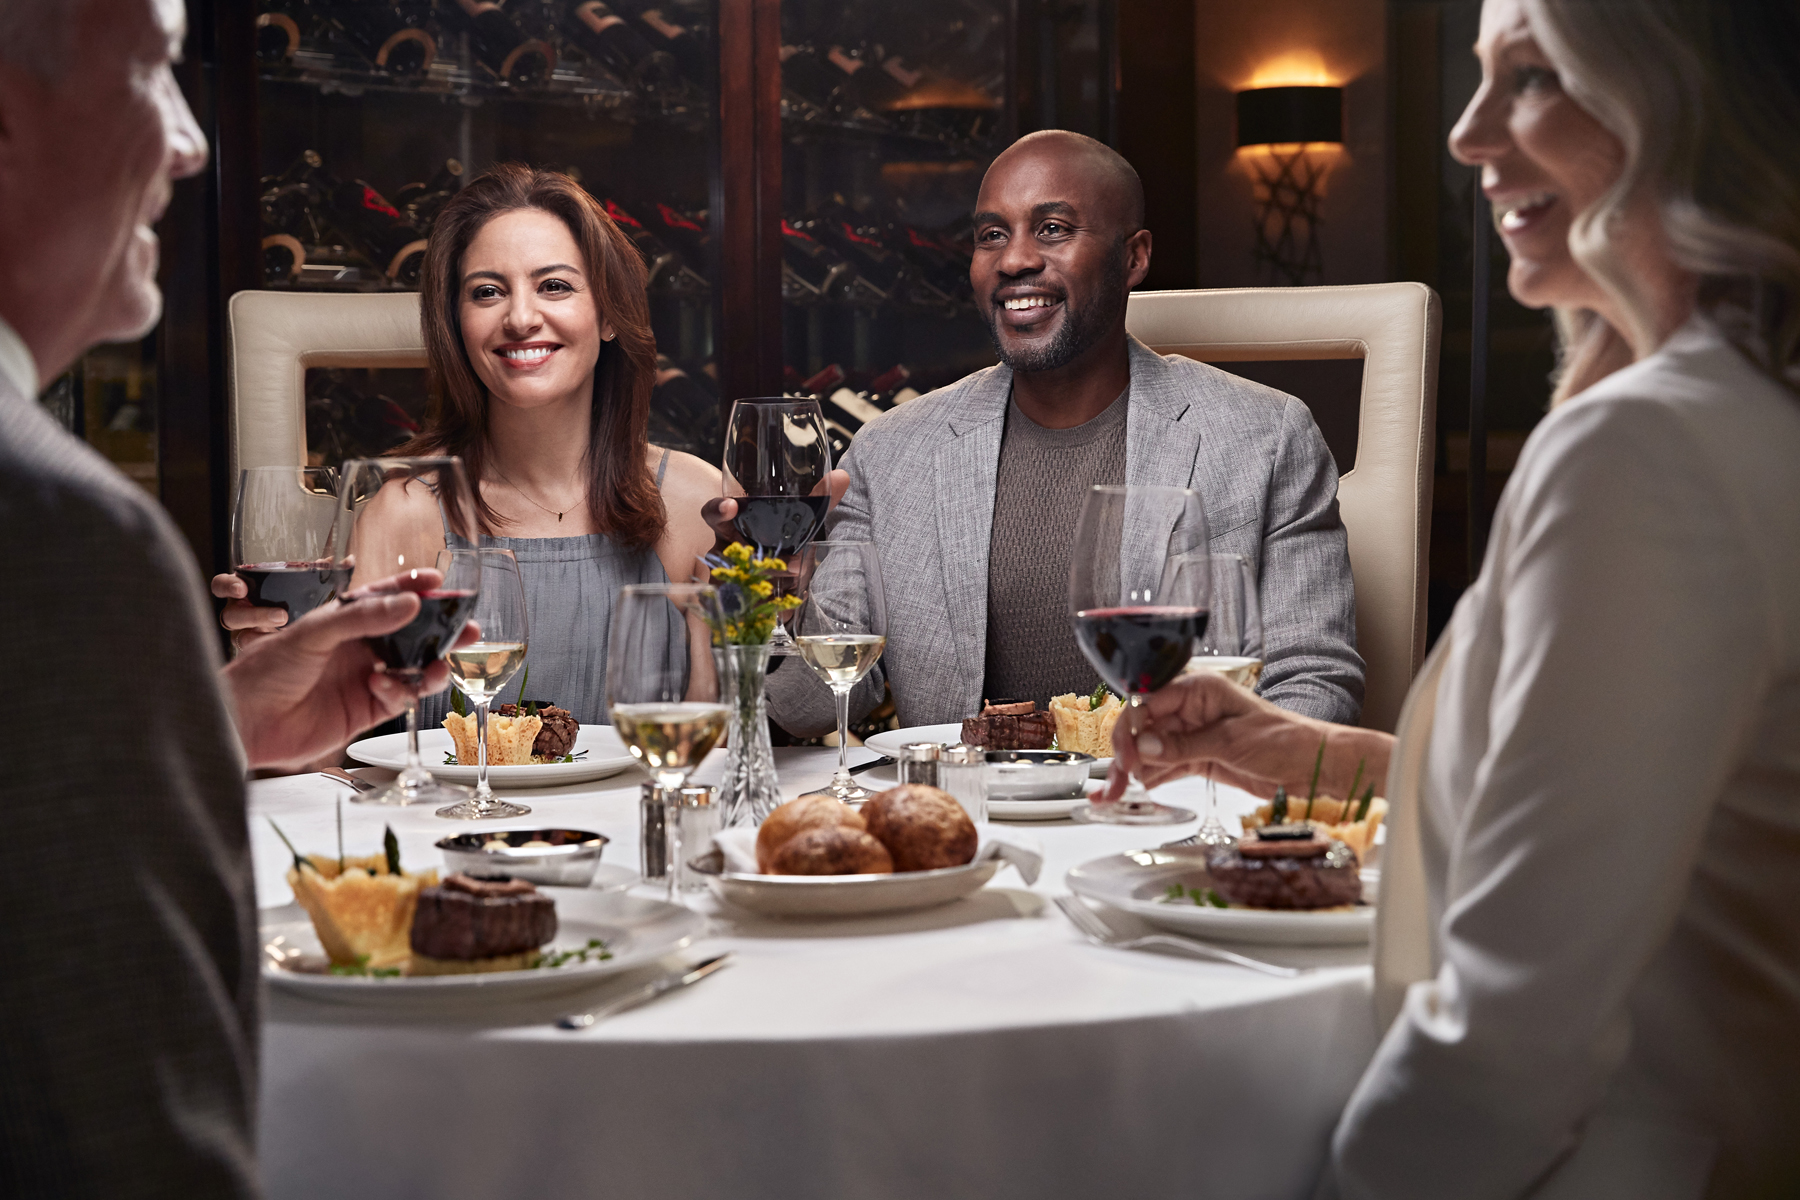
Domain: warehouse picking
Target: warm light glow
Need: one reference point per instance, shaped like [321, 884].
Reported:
[1283, 149]
[1297, 68]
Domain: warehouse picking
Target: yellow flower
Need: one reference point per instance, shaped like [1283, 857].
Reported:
[762, 589]
[773, 564]
[737, 554]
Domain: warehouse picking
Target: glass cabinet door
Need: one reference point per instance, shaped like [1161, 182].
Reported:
[372, 114]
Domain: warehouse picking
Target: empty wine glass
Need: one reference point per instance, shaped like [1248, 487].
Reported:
[663, 688]
[776, 466]
[1232, 647]
[839, 631]
[482, 668]
[395, 517]
[281, 529]
[1139, 590]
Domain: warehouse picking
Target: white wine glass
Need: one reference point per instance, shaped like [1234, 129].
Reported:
[395, 516]
[281, 536]
[481, 669]
[1139, 590]
[1232, 647]
[663, 688]
[777, 464]
[840, 631]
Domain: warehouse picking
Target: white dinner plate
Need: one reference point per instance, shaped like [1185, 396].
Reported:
[1138, 883]
[889, 743]
[636, 929]
[606, 755]
[851, 895]
[1039, 810]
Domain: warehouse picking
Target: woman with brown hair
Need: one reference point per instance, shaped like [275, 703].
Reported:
[541, 362]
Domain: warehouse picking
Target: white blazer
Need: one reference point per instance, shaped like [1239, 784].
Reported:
[1605, 848]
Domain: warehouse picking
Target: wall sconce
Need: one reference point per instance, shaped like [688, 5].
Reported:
[1284, 122]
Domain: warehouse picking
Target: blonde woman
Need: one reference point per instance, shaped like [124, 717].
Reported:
[1604, 948]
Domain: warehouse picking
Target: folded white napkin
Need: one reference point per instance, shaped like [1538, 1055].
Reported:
[1020, 850]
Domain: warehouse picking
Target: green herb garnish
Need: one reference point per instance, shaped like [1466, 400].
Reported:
[391, 844]
[524, 678]
[450, 759]
[1278, 808]
[594, 951]
[1098, 697]
[362, 967]
[1313, 790]
[1350, 796]
[300, 864]
[340, 816]
[1362, 810]
[1202, 897]
[458, 705]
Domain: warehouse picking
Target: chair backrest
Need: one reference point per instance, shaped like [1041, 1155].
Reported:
[1385, 498]
[273, 337]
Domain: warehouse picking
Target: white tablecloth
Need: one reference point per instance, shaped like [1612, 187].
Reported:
[979, 1049]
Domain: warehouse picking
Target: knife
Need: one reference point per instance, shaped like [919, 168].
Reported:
[643, 995]
[859, 768]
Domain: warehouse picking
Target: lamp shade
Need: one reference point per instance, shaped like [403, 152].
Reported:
[1290, 114]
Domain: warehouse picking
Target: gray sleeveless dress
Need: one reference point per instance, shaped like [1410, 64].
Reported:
[570, 583]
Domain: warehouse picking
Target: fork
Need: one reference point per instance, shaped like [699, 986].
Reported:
[343, 776]
[1101, 934]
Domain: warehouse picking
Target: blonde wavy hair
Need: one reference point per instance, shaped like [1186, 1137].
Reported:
[1705, 97]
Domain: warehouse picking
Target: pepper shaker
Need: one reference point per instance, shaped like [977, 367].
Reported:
[962, 771]
[701, 817]
[653, 839]
[919, 763]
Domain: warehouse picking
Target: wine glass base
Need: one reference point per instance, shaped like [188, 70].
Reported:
[482, 810]
[1130, 812]
[851, 793]
[401, 794]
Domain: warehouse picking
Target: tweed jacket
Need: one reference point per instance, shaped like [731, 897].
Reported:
[922, 481]
[129, 985]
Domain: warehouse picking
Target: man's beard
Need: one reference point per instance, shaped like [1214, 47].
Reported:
[1081, 327]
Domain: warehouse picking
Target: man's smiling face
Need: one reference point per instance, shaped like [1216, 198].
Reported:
[1054, 259]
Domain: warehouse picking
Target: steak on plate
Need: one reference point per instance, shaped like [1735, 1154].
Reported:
[465, 918]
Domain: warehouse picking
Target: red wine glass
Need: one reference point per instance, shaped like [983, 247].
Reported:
[281, 527]
[1140, 590]
[396, 516]
[777, 463]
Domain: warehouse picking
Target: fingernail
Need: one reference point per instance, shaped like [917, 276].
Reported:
[1149, 744]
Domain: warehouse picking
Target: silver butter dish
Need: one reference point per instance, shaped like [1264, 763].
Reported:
[1035, 774]
[556, 857]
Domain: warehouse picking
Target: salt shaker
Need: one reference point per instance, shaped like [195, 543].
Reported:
[653, 841]
[962, 771]
[919, 763]
[701, 817]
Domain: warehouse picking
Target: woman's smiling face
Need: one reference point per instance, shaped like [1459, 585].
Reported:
[529, 322]
[1544, 159]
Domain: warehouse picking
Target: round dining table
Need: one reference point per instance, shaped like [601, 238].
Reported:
[983, 1048]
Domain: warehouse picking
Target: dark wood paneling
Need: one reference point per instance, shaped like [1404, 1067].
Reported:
[749, 198]
[1157, 130]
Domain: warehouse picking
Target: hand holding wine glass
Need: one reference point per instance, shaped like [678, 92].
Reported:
[282, 521]
[395, 517]
[667, 709]
[840, 631]
[480, 669]
[1139, 595]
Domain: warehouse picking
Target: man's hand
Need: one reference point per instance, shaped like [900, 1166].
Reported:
[248, 623]
[721, 511]
[310, 689]
[1204, 724]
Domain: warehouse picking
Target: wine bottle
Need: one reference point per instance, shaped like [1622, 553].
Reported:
[499, 44]
[660, 25]
[669, 274]
[279, 28]
[811, 270]
[368, 223]
[687, 230]
[382, 35]
[610, 40]
[420, 202]
[289, 209]
[860, 241]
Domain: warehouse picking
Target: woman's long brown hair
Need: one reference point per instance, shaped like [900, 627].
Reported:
[622, 495]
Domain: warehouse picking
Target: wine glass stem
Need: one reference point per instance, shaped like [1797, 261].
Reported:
[842, 696]
[672, 831]
[1135, 791]
[483, 793]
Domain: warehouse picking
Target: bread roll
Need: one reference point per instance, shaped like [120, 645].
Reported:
[922, 827]
[832, 850]
[797, 816]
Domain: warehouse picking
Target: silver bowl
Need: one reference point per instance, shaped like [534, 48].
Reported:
[1036, 774]
[556, 857]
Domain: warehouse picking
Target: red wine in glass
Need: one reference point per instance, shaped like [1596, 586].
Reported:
[1139, 649]
[294, 587]
[780, 525]
[428, 636]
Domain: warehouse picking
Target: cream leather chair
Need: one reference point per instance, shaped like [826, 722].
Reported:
[1385, 498]
[273, 337]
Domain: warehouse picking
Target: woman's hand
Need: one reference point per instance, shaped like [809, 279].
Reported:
[721, 511]
[248, 623]
[310, 690]
[1204, 724]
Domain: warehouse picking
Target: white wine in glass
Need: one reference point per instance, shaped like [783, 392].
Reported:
[840, 658]
[840, 631]
[480, 669]
[670, 737]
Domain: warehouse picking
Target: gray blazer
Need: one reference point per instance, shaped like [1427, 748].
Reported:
[129, 984]
[922, 481]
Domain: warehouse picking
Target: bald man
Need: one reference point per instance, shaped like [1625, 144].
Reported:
[971, 493]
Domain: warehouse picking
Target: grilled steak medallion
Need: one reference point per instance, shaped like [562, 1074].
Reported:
[465, 918]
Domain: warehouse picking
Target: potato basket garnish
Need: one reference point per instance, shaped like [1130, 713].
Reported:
[361, 907]
[1353, 821]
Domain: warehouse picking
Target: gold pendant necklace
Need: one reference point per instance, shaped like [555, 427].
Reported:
[515, 487]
